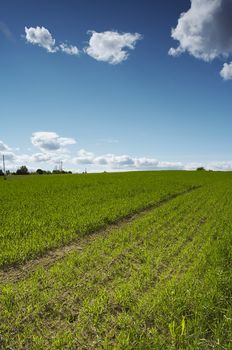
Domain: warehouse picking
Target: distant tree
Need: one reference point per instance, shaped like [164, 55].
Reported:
[40, 171]
[1, 172]
[22, 170]
[201, 168]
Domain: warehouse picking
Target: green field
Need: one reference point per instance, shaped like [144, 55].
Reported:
[138, 260]
[42, 212]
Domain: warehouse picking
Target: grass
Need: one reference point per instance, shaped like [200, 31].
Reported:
[43, 212]
[162, 281]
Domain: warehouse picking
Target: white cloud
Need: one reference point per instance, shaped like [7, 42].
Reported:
[49, 158]
[113, 161]
[4, 147]
[226, 166]
[146, 162]
[7, 152]
[39, 157]
[84, 157]
[171, 165]
[9, 156]
[53, 150]
[84, 153]
[50, 141]
[111, 46]
[116, 162]
[108, 46]
[42, 37]
[226, 72]
[217, 166]
[205, 31]
[69, 49]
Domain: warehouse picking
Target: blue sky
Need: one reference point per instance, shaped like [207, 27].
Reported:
[153, 109]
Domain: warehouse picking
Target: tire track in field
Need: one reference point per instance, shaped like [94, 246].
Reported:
[14, 273]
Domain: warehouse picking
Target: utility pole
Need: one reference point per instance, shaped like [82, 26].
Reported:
[3, 164]
[61, 166]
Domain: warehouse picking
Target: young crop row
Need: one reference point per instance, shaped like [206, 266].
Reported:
[40, 213]
[160, 282]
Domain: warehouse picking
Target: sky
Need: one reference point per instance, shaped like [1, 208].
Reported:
[116, 85]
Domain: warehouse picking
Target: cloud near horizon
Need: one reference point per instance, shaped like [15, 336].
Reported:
[42, 37]
[122, 162]
[205, 32]
[54, 148]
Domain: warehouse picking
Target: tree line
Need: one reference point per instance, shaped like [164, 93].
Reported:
[23, 170]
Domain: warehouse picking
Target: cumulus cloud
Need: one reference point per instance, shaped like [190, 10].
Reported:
[50, 141]
[171, 165]
[111, 160]
[9, 156]
[146, 162]
[115, 161]
[39, 157]
[69, 49]
[48, 157]
[123, 161]
[84, 157]
[7, 152]
[4, 147]
[42, 37]
[108, 46]
[226, 72]
[221, 166]
[111, 46]
[53, 151]
[205, 32]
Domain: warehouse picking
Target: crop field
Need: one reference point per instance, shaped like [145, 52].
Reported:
[39, 213]
[138, 260]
